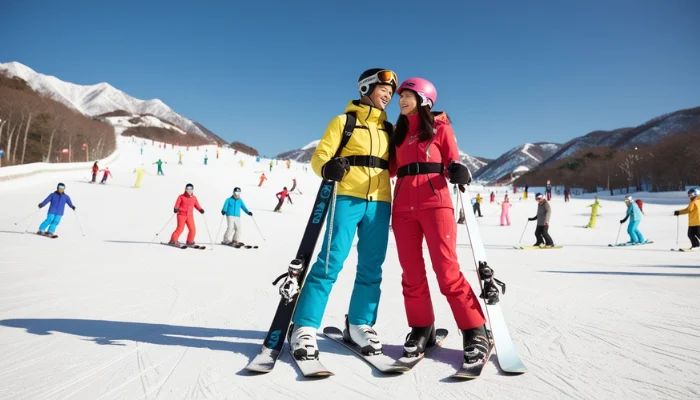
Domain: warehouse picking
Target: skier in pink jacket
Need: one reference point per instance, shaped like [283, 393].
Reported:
[505, 208]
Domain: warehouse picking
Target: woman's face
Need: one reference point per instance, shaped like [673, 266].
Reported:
[408, 103]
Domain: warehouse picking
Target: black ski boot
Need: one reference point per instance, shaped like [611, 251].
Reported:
[477, 344]
[418, 340]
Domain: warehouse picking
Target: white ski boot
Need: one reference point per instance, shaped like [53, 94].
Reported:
[364, 337]
[303, 343]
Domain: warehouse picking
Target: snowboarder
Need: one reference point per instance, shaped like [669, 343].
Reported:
[95, 170]
[105, 175]
[424, 153]
[139, 176]
[263, 178]
[594, 212]
[58, 200]
[693, 211]
[280, 199]
[184, 208]
[635, 217]
[505, 212]
[232, 210]
[160, 167]
[363, 204]
[544, 211]
[477, 205]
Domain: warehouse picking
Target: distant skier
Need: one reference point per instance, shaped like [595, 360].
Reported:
[477, 205]
[294, 186]
[544, 211]
[280, 199]
[635, 217]
[493, 197]
[548, 191]
[179, 157]
[505, 212]
[693, 211]
[105, 175]
[95, 170]
[206, 159]
[271, 165]
[58, 200]
[263, 178]
[232, 210]
[525, 191]
[594, 213]
[185, 205]
[567, 195]
[160, 167]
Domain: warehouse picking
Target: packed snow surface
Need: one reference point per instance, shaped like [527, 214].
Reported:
[108, 316]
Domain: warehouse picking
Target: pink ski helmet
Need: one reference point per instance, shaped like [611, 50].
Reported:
[425, 90]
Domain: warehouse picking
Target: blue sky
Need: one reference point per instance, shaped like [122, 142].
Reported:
[272, 74]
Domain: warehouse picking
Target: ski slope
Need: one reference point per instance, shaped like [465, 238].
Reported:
[106, 316]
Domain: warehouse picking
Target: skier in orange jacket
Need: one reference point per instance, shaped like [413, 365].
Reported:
[184, 208]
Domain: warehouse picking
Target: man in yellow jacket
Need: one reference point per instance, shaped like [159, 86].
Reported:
[693, 211]
[363, 205]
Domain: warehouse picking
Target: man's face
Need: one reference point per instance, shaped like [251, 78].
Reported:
[381, 96]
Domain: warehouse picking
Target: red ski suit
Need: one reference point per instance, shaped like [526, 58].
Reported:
[422, 207]
[185, 204]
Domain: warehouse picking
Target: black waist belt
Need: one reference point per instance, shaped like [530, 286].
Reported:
[420, 168]
[368, 161]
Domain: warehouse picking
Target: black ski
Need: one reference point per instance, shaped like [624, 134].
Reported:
[48, 235]
[298, 268]
[182, 246]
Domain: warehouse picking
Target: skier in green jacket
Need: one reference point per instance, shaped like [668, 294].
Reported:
[594, 213]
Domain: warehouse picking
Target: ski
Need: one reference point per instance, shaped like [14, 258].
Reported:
[196, 246]
[508, 358]
[182, 246]
[382, 362]
[687, 249]
[473, 371]
[289, 291]
[48, 235]
[536, 247]
[311, 368]
[243, 245]
[630, 244]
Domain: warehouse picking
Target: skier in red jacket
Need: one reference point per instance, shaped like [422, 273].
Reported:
[184, 208]
[280, 197]
[424, 152]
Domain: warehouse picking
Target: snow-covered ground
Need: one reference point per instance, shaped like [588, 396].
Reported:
[106, 316]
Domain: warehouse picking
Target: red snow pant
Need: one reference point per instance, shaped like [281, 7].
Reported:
[439, 228]
[183, 220]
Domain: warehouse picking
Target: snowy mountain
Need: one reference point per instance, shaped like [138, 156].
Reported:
[102, 98]
[649, 133]
[304, 154]
[516, 161]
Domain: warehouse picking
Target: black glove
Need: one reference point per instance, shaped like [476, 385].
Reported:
[223, 212]
[676, 213]
[175, 210]
[459, 174]
[201, 211]
[73, 208]
[335, 169]
[40, 207]
[622, 221]
[250, 213]
[532, 219]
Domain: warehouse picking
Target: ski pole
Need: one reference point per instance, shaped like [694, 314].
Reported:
[208, 232]
[330, 226]
[618, 234]
[28, 216]
[523, 234]
[220, 225]
[678, 229]
[31, 218]
[256, 225]
[161, 229]
[78, 220]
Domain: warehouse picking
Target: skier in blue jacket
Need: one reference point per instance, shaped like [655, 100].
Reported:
[232, 211]
[58, 200]
[635, 216]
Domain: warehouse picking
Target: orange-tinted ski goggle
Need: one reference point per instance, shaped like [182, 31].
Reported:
[385, 76]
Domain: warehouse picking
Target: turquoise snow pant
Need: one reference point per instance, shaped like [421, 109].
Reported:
[635, 234]
[51, 222]
[371, 220]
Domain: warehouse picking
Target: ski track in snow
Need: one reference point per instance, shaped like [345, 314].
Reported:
[106, 316]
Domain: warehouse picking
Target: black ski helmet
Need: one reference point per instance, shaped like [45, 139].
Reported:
[694, 192]
[189, 186]
[60, 185]
[369, 79]
[539, 196]
[236, 190]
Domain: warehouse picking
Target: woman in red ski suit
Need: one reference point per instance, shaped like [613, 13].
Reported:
[184, 208]
[422, 208]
